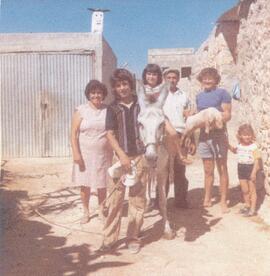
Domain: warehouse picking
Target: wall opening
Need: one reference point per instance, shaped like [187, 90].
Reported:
[185, 72]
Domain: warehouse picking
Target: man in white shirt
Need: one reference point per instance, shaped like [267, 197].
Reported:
[177, 108]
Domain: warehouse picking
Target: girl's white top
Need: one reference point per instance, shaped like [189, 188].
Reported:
[247, 154]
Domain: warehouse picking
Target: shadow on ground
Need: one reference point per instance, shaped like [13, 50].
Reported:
[30, 247]
[197, 220]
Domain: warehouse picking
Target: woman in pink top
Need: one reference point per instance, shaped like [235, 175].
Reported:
[91, 152]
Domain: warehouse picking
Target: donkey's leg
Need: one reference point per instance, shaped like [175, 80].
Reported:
[162, 176]
[150, 200]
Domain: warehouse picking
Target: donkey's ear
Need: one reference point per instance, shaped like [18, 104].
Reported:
[140, 91]
[164, 90]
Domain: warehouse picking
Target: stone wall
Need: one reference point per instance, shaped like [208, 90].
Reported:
[253, 67]
[178, 58]
[214, 52]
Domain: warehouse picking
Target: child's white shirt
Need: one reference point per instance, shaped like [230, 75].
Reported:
[247, 154]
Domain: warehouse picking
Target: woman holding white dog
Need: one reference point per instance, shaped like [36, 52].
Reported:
[213, 146]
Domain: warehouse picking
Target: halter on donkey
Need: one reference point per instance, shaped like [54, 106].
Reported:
[151, 127]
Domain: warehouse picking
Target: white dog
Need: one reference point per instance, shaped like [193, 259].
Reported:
[208, 118]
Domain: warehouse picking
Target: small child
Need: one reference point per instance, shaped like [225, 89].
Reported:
[248, 156]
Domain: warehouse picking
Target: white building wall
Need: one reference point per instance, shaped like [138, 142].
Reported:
[109, 63]
[172, 57]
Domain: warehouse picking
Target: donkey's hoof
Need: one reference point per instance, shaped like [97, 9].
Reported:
[169, 235]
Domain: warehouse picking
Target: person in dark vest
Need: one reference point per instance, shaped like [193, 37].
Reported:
[123, 135]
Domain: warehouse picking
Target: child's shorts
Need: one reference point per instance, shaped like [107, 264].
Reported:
[244, 171]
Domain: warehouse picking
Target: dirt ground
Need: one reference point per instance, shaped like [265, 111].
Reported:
[41, 233]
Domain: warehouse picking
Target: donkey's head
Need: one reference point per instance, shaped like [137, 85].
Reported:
[151, 121]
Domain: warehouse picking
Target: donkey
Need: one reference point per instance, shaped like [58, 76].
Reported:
[151, 121]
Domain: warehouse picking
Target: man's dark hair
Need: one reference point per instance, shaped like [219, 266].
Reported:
[121, 74]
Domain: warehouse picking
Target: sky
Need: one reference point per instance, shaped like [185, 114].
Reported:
[131, 27]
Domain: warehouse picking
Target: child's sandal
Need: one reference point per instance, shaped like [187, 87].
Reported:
[250, 214]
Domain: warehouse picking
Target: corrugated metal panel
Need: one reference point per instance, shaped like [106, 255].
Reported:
[38, 95]
[20, 120]
[63, 89]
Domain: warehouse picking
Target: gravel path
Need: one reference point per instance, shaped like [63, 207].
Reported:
[41, 234]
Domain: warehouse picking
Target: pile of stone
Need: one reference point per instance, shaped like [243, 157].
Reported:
[214, 52]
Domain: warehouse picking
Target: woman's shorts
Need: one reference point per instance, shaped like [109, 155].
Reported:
[214, 148]
[244, 171]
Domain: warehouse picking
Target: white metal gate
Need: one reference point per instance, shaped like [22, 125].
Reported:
[39, 92]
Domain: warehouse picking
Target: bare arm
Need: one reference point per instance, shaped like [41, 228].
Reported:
[170, 129]
[257, 164]
[75, 128]
[124, 159]
[191, 145]
[227, 110]
[256, 167]
[232, 148]
[188, 112]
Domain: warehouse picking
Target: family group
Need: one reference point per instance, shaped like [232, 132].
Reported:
[102, 135]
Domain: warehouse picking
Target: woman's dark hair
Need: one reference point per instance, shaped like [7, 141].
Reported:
[152, 68]
[121, 74]
[246, 129]
[209, 72]
[95, 85]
